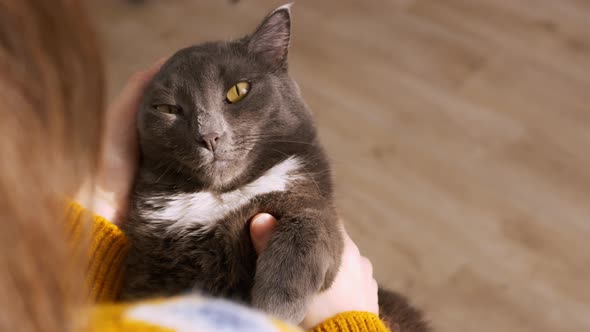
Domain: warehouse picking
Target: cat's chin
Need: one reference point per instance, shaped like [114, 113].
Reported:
[220, 173]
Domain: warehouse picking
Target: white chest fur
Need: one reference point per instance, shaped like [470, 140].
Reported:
[205, 208]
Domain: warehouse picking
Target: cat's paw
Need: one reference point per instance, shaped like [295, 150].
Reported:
[287, 304]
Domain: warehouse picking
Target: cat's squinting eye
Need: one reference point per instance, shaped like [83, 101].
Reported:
[168, 109]
[237, 92]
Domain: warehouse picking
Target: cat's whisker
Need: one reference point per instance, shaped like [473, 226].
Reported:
[272, 140]
[311, 177]
[164, 173]
[294, 142]
[275, 141]
[255, 136]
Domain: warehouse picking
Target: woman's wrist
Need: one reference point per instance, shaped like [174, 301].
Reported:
[107, 205]
[101, 202]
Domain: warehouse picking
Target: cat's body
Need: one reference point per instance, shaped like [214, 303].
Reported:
[189, 238]
[209, 165]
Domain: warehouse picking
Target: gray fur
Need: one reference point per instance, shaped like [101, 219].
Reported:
[271, 124]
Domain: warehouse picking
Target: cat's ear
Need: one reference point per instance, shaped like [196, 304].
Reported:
[271, 40]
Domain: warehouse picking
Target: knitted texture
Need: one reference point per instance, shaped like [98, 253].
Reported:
[108, 247]
[105, 270]
[353, 321]
[111, 318]
[108, 250]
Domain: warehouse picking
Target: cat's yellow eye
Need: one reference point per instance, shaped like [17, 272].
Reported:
[168, 109]
[237, 92]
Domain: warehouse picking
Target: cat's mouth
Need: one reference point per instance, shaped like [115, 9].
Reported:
[225, 157]
[221, 161]
[219, 157]
[221, 166]
[219, 170]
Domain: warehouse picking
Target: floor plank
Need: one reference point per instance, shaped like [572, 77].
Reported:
[459, 133]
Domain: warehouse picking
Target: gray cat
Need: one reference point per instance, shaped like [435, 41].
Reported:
[224, 135]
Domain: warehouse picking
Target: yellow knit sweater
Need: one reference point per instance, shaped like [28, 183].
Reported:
[108, 249]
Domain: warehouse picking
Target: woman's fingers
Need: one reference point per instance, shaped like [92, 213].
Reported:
[261, 229]
[120, 148]
[353, 289]
[121, 135]
[127, 102]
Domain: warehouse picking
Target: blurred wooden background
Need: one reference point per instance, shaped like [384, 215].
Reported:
[459, 131]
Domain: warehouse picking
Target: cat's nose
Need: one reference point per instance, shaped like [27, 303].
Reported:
[210, 140]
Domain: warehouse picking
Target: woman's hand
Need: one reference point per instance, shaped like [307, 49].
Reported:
[354, 288]
[119, 157]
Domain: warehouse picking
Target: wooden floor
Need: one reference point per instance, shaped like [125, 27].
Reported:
[459, 131]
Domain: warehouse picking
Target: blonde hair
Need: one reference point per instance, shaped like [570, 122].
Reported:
[51, 104]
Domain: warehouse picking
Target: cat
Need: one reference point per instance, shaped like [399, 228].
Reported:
[224, 135]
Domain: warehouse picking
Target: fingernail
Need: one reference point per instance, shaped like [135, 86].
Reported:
[261, 218]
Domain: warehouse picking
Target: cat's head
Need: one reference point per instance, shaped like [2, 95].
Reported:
[216, 109]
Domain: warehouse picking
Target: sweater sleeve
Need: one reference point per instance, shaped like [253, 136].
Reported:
[353, 321]
[108, 247]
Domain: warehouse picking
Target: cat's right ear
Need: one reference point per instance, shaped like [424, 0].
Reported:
[271, 40]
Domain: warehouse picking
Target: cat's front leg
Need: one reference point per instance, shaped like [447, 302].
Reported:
[301, 259]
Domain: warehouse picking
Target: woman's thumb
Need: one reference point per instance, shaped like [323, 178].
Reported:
[261, 229]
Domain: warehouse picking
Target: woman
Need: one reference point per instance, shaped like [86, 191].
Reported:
[59, 144]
